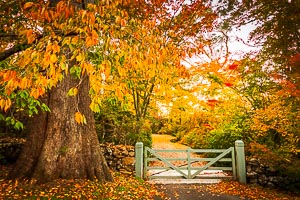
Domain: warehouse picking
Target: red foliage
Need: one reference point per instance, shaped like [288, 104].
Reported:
[212, 100]
[295, 60]
[228, 84]
[233, 66]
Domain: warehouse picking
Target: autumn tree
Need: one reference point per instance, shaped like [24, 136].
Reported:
[58, 59]
[153, 69]
[272, 74]
[44, 60]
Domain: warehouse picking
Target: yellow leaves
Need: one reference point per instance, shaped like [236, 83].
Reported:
[87, 67]
[119, 93]
[72, 92]
[80, 118]
[5, 104]
[30, 36]
[80, 57]
[24, 83]
[91, 7]
[28, 5]
[74, 40]
[95, 107]
[120, 21]
[53, 58]
[8, 75]
[37, 92]
[55, 48]
[92, 39]
[49, 59]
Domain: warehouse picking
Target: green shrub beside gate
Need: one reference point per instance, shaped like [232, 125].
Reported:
[237, 160]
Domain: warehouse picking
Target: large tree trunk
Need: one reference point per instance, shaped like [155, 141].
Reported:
[57, 146]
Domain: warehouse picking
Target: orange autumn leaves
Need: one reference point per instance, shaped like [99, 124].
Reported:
[50, 34]
[5, 104]
[80, 118]
[12, 82]
[61, 38]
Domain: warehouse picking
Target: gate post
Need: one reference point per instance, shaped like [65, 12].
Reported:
[240, 161]
[139, 160]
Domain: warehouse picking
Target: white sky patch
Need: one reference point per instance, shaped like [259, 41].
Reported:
[236, 45]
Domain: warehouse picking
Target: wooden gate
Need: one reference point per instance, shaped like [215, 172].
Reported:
[187, 170]
[235, 156]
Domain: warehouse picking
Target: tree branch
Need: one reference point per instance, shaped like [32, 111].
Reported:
[21, 47]
[15, 49]
[10, 35]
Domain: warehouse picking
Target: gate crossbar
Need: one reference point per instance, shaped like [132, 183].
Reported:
[216, 159]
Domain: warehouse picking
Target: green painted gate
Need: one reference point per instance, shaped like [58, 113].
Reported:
[234, 155]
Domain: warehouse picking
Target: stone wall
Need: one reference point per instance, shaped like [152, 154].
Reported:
[258, 173]
[10, 149]
[119, 157]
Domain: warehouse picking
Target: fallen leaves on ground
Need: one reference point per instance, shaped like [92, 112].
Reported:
[123, 187]
[253, 192]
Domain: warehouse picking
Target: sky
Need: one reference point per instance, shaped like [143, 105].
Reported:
[243, 33]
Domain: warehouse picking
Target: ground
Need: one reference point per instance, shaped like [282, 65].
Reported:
[192, 192]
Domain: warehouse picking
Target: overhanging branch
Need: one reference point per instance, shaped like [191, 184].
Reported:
[15, 49]
[21, 47]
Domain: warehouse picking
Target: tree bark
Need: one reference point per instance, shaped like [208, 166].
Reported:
[57, 146]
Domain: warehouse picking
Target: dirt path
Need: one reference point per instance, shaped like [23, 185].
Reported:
[164, 142]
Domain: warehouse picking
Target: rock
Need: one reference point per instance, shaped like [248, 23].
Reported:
[131, 154]
[270, 184]
[253, 162]
[259, 170]
[127, 161]
[253, 181]
[252, 174]
[125, 152]
[262, 180]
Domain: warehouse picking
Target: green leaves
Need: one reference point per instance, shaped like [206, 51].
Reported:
[75, 71]
[18, 125]
[12, 122]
